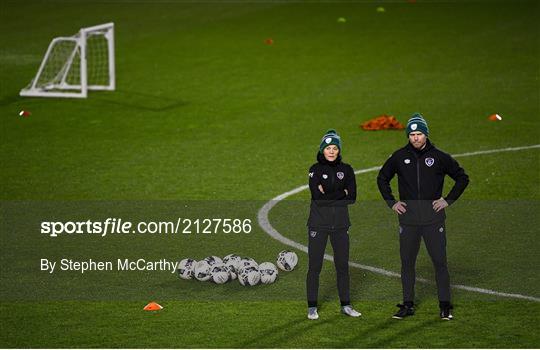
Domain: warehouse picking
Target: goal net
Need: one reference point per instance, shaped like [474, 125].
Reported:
[75, 64]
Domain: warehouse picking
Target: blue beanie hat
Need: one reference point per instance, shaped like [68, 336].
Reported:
[331, 137]
[417, 123]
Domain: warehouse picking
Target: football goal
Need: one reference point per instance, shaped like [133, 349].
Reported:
[75, 64]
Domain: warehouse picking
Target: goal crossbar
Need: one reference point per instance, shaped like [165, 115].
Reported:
[73, 65]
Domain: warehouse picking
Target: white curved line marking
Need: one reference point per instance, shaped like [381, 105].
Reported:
[270, 230]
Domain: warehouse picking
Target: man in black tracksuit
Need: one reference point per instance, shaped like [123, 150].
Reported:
[333, 187]
[421, 169]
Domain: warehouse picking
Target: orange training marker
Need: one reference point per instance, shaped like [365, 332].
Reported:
[153, 306]
[495, 117]
[383, 122]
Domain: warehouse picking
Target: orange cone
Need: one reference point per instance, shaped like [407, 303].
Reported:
[495, 117]
[153, 306]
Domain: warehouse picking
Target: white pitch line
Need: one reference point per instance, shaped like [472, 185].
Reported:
[272, 232]
[509, 149]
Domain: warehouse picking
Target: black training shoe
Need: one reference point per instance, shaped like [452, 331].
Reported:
[446, 313]
[403, 312]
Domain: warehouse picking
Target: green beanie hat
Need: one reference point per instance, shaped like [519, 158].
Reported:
[417, 123]
[331, 137]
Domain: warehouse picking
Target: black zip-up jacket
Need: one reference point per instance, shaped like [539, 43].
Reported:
[329, 210]
[420, 181]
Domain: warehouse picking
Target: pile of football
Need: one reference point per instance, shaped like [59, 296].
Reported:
[232, 267]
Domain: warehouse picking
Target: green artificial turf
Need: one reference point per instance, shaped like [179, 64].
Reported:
[262, 324]
[210, 121]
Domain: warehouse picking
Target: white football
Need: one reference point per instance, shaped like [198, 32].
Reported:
[202, 271]
[249, 276]
[232, 264]
[244, 262]
[211, 260]
[219, 273]
[229, 257]
[287, 260]
[185, 268]
[269, 272]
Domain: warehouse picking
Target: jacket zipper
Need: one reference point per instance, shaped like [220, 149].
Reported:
[333, 188]
[418, 175]
[418, 187]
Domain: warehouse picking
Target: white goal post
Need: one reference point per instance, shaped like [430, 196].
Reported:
[75, 64]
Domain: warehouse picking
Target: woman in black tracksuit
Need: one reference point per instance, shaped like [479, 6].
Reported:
[333, 187]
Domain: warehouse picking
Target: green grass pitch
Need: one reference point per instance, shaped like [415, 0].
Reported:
[207, 113]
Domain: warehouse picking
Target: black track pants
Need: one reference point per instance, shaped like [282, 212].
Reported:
[409, 244]
[316, 246]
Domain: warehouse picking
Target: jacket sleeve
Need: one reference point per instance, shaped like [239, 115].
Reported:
[322, 199]
[457, 173]
[386, 174]
[350, 185]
